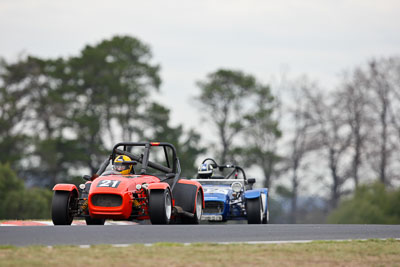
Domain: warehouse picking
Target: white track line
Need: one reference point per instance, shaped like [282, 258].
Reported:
[247, 243]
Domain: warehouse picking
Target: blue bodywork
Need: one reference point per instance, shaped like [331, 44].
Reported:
[255, 193]
[223, 204]
[229, 194]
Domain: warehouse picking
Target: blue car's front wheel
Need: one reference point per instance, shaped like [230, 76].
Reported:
[254, 211]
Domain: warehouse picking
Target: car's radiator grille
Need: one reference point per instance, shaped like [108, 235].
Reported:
[214, 207]
[107, 200]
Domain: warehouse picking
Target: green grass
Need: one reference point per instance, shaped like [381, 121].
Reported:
[321, 253]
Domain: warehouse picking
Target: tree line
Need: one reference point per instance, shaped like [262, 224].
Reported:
[347, 136]
[60, 117]
[333, 140]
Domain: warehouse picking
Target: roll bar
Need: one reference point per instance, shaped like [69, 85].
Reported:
[173, 171]
[227, 166]
[144, 158]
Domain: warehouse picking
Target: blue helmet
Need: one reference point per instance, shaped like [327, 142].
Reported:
[205, 170]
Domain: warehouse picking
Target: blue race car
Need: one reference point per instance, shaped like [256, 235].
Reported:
[231, 196]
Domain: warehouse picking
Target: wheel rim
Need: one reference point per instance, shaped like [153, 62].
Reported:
[168, 206]
[199, 206]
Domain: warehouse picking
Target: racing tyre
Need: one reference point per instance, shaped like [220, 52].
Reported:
[160, 206]
[198, 211]
[94, 221]
[62, 207]
[254, 211]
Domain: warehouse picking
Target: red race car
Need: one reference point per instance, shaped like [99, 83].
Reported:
[144, 183]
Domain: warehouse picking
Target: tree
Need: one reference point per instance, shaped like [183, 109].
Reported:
[16, 202]
[394, 74]
[15, 85]
[112, 82]
[186, 144]
[356, 101]
[35, 117]
[64, 114]
[333, 137]
[9, 182]
[261, 132]
[380, 87]
[224, 97]
[301, 141]
[376, 84]
[33, 203]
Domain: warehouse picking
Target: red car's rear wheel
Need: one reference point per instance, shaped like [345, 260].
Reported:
[160, 206]
[197, 212]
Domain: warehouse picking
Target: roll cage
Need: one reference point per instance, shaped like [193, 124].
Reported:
[171, 170]
[236, 169]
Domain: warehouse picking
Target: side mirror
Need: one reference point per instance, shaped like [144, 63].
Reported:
[251, 180]
[87, 177]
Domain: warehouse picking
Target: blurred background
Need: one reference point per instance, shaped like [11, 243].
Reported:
[304, 95]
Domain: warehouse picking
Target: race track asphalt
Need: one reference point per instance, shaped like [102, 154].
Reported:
[145, 234]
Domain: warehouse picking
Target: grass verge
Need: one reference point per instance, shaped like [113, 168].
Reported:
[322, 253]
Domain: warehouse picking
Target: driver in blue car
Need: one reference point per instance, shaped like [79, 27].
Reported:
[205, 170]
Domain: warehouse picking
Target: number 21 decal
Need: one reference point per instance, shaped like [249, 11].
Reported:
[108, 183]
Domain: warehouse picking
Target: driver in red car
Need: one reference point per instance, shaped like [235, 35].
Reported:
[124, 165]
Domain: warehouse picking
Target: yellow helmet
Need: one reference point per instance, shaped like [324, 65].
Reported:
[119, 166]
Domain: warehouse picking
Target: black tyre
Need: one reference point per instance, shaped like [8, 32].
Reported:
[160, 206]
[254, 211]
[198, 211]
[62, 207]
[94, 221]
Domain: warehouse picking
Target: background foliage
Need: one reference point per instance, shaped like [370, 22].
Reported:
[371, 204]
[18, 202]
[316, 149]
[60, 117]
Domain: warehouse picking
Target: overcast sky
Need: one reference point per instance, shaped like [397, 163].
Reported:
[192, 38]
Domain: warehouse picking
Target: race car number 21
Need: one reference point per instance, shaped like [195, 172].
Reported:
[108, 183]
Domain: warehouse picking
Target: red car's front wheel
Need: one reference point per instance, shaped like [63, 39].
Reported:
[62, 207]
[160, 206]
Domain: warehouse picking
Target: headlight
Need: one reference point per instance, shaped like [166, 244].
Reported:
[138, 186]
[236, 187]
[82, 186]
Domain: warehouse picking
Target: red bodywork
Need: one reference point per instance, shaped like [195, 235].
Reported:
[131, 197]
[65, 187]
